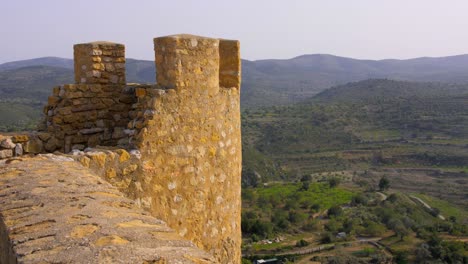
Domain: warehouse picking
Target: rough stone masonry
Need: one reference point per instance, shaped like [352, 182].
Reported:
[173, 147]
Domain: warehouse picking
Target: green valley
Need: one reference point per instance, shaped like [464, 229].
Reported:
[338, 146]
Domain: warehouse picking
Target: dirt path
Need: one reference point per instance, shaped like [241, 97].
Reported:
[421, 202]
[315, 249]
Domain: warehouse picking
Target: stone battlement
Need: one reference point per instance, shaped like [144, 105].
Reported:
[174, 147]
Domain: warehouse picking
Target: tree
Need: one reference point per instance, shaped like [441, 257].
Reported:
[359, 199]
[315, 207]
[334, 182]
[335, 211]
[306, 178]
[384, 183]
[399, 228]
[374, 229]
[422, 254]
[401, 257]
[305, 186]
[302, 243]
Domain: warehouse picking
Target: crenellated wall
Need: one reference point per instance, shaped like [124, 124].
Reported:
[191, 146]
[87, 115]
[183, 133]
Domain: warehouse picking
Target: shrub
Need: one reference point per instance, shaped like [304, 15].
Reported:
[302, 243]
[384, 183]
[334, 182]
[335, 211]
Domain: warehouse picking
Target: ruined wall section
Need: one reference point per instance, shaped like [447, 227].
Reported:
[95, 110]
[82, 115]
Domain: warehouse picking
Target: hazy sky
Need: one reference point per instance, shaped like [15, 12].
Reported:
[366, 29]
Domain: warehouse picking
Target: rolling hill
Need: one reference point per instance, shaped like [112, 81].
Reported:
[372, 126]
[273, 82]
[264, 82]
[44, 61]
[373, 90]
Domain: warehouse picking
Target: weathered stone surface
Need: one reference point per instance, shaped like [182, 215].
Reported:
[78, 146]
[33, 146]
[55, 211]
[88, 131]
[6, 153]
[229, 64]
[7, 143]
[44, 136]
[20, 138]
[18, 149]
[187, 60]
[89, 66]
[52, 144]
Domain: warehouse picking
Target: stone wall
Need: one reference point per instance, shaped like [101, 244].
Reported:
[173, 147]
[55, 211]
[191, 146]
[80, 115]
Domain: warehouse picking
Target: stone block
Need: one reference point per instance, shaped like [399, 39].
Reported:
[44, 136]
[7, 143]
[89, 66]
[33, 146]
[229, 63]
[18, 150]
[20, 138]
[184, 61]
[53, 100]
[6, 153]
[52, 144]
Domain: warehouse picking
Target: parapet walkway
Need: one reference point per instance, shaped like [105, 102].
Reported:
[53, 210]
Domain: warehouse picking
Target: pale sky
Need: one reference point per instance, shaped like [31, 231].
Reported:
[364, 29]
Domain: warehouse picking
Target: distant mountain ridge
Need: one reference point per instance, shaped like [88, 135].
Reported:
[293, 80]
[273, 81]
[43, 61]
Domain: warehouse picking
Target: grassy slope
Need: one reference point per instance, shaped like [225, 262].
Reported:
[446, 209]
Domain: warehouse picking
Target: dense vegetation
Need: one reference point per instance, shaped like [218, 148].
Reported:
[406, 140]
[359, 137]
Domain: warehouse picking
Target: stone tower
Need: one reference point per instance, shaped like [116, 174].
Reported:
[191, 148]
[173, 147]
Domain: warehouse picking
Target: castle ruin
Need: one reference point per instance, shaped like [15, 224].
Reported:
[172, 148]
